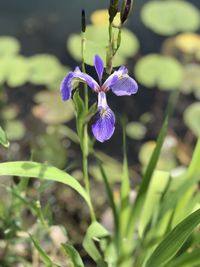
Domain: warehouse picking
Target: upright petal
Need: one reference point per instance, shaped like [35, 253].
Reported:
[76, 75]
[99, 66]
[120, 83]
[104, 125]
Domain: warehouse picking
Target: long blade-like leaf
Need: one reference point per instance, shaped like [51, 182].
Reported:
[173, 241]
[42, 171]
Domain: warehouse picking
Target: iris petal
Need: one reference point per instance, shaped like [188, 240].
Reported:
[104, 125]
[125, 86]
[99, 66]
[76, 75]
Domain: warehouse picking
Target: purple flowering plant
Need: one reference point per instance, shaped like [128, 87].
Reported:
[118, 82]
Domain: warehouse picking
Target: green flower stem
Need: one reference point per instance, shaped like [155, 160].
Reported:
[110, 50]
[84, 141]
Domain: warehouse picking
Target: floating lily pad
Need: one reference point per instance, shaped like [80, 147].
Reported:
[4, 63]
[10, 112]
[15, 130]
[156, 70]
[192, 118]
[101, 17]
[18, 71]
[136, 130]
[97, 41]
[46, 147]
[146, 117]
[9, 46]
[191, 79]
[170, 17]
[55, 85]
[188, 42]
[44, 69]
[167, 160]
[51, 109]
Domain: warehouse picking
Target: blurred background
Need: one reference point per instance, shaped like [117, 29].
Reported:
[39, 44]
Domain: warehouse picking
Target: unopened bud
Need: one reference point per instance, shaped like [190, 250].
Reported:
[83, 23]
[113, 8]
[126, 9]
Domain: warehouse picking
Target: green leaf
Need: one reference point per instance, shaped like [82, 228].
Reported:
[97, 41]
[136, 130]
[80, 112]
[95, 232]
[73, 254]
[9, 46]
[162, 71]
[44, 257]
[42, 171]
[136, 207]
[192, 118]
[173, 241]
[3, 138]
[166, 17]
[186, 259]
[15, 130]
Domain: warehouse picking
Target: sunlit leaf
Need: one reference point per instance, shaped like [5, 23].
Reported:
[101, 17]
[73, 254]
[166, 17]
[162, 71]
[9, 46]
[17, 71]
[192, 118]
[51, 108]
[187, 42]
[44, 69]
[15, 130]
[135, 130]
[97, 41]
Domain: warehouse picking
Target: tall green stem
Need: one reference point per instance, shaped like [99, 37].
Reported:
[84, 146]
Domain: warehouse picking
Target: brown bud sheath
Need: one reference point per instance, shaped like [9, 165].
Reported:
[113, 8]
[83, 23]
[126, 9]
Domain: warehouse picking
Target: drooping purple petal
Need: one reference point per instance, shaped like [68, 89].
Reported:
[73, 76]
[104, 125]
[99, 66]
[66, 86]
[125, 86]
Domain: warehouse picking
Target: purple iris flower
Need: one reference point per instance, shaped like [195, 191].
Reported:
[120, 84]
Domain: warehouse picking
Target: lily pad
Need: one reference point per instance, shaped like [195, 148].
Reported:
[44, 69]
[97, 41]
[162, 71]
[192, 118]
[188, 42]
[191, 79]
[51, 109]
[9, 46]
[136, 130]
[101, 17]
[15, 130]
[17, 71]
[170, 17]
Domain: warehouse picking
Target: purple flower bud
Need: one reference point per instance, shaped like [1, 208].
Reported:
[125, 11]
[83, 21]
[113, 8]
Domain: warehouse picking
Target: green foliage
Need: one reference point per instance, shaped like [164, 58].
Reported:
[156, 70]
[96, 43]
[3, 138]
[51, 109]
[15, 130]
[192, 118]
[166, 17]
[73, 255]
[136, 130]
[173, 241]
[9, 46]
